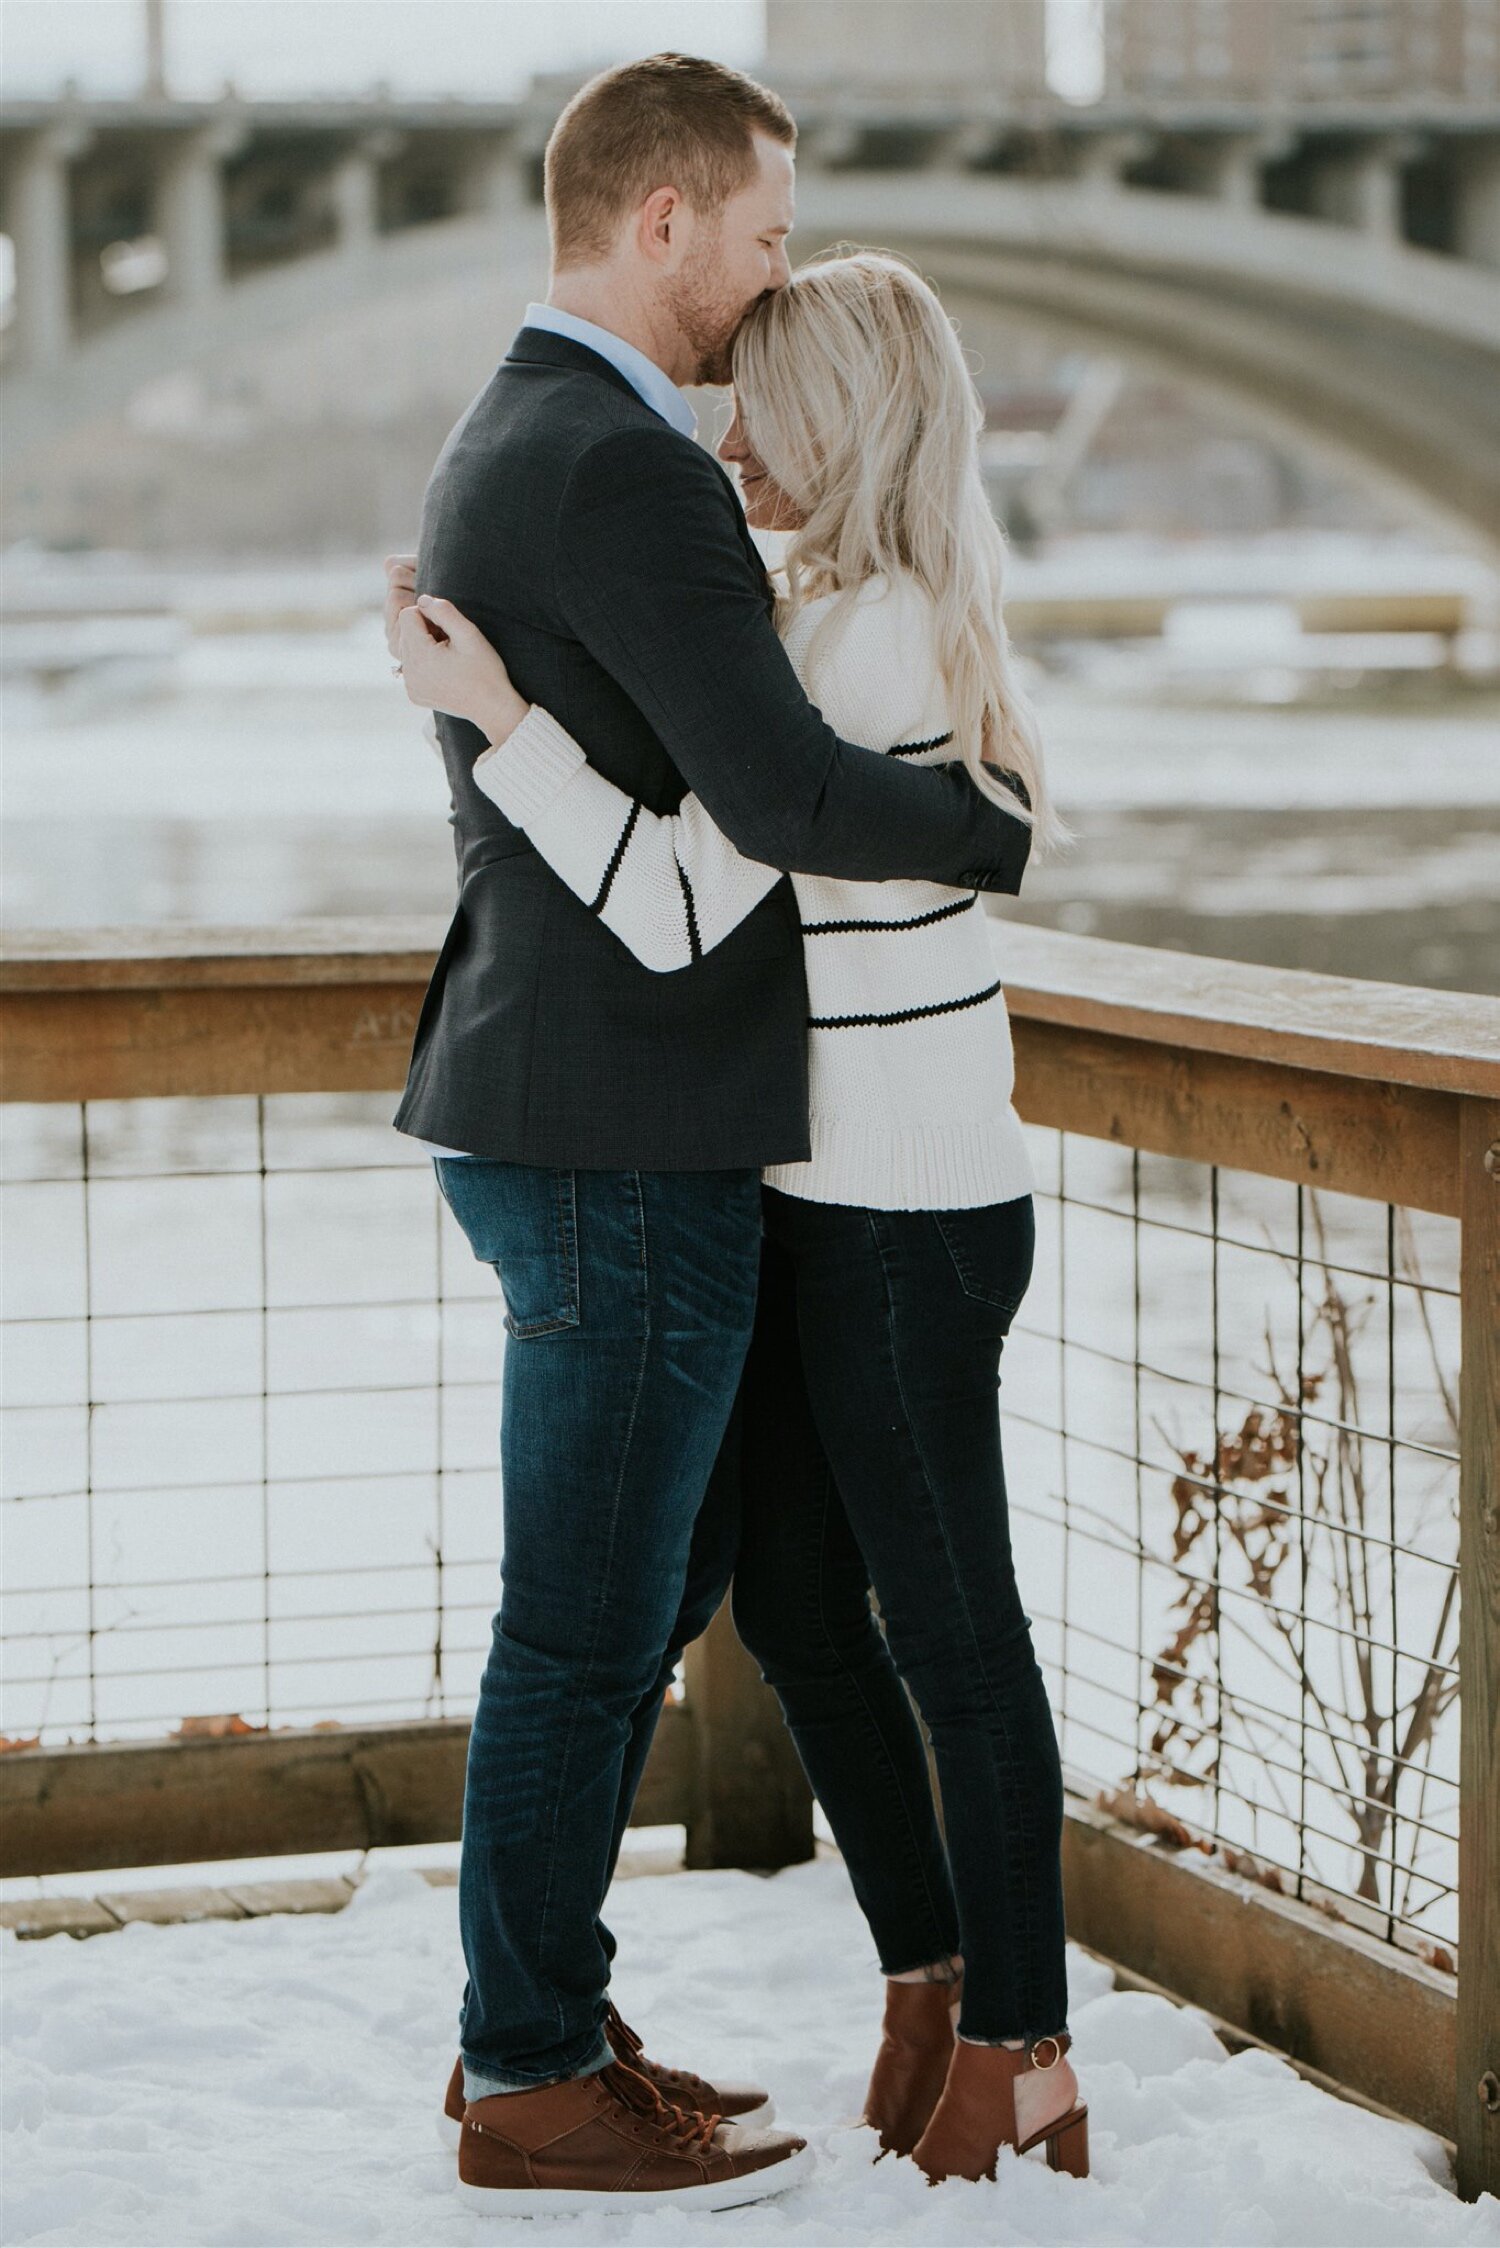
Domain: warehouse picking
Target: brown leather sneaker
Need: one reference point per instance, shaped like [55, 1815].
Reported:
[976, 2115]
[679, 2087]
[911, 2067]
[612, 2141]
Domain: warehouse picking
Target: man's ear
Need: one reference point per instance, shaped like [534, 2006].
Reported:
[659, 225]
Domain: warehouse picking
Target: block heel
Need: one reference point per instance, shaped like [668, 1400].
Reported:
[1067, 2143]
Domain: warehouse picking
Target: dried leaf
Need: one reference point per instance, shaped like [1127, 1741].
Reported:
[1250, 1868]
[30, 1740]
[1147, 1817]
[214, 1728]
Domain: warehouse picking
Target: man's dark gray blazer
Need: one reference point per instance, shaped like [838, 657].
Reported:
[607, 557]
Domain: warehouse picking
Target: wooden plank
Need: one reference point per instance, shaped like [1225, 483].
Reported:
[754, 1805]
[1345, 2004]
[1478, 2059]
[1395, 1034]
[143, 1045]
[1390, 1141]
[1393, 1143]
[324, 1893]
[669, 1791]
[57, 1916]
[1236, 2040]
[260, 1795]
[386, 948]
[170, 1908]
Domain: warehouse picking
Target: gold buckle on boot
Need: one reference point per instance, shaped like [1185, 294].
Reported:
[1036, 2053]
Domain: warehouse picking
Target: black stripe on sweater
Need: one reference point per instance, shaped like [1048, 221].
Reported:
[916, 921]
[598, 904]
[695, 944]
[906, 1015]
[915, 749]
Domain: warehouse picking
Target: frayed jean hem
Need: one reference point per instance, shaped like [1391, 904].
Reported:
[483, 2084]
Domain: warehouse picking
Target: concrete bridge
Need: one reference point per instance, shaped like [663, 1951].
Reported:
[1334, 273]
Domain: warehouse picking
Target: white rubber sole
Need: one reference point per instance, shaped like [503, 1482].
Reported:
[551, 2201]
[759, 2119]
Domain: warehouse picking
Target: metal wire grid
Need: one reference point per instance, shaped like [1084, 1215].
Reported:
[364, 1586]
[1240, 1562]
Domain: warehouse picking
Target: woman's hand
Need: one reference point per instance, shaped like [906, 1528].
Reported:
[400, 593]
[447, 664]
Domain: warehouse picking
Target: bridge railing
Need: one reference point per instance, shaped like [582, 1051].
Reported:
[251, 1522]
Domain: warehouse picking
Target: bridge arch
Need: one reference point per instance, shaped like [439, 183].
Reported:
[1382, 359]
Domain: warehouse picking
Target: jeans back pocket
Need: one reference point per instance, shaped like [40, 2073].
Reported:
[522, 1220]
[991, 1250]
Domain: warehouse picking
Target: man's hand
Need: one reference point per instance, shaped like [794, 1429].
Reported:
[400, 593]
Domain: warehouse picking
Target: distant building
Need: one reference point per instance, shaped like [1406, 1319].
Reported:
[973, 47]
[1291, 51]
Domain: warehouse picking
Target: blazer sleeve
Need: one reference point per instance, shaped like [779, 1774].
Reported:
[658, 581]
[671, 887]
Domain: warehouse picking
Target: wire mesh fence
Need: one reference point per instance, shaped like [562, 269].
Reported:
[1231, 1413]
[252, 1395]
[252, 1392]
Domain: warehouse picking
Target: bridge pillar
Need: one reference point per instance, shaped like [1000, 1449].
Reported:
[42, 231]
[1236, 162]
[1377, 186]
[497, 184]
[1479, 208]
[1103, 157]
[1364, 190]
[356, 189]
[191, 211]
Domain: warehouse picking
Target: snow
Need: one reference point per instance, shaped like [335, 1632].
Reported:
[276, 2081]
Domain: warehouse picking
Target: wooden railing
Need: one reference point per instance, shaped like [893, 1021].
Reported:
[1368, 1090]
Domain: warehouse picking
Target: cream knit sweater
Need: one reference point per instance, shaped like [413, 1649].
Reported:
[910, 1061]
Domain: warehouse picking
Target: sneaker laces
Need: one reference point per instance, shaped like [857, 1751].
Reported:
[691, 2133]
[620, 2033]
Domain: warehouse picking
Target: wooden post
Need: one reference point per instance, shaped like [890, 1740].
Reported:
[1477, 2126]
[754, 1803]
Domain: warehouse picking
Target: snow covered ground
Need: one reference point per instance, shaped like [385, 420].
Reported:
[275, 2081]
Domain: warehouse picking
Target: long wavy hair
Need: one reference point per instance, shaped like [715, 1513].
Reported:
[854, 392]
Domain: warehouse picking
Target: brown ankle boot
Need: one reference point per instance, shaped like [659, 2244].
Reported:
[612, 2142]
[976, 2115]
[911, 2067]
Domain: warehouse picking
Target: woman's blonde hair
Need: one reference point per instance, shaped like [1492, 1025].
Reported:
[855, 394]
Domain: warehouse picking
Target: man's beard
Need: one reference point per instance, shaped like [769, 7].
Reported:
[707, 320]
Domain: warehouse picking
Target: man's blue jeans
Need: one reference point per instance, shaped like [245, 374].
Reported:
[630, 1299]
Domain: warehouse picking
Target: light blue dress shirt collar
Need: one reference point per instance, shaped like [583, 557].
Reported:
[645, 378]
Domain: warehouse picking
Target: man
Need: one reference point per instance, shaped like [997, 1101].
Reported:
[599, 1130]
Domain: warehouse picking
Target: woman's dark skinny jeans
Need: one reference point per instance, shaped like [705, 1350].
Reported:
[872, 1459]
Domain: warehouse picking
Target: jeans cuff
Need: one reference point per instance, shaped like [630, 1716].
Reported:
[1028, 2038]
[484, 2083]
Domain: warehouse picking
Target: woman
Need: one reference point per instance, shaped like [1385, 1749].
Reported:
[895, 1258]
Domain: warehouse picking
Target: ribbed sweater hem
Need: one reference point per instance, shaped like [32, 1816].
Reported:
[529, 770]
[918, 1167]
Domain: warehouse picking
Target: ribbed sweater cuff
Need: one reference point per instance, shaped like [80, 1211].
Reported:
[530, 770]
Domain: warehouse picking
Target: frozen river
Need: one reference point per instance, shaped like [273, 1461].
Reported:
[249, 776]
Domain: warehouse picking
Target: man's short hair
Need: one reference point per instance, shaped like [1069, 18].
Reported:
[669, 121]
